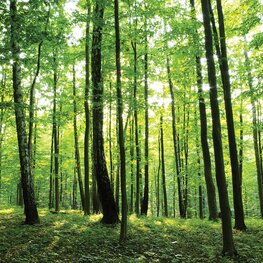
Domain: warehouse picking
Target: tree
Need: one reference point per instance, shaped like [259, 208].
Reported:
[26, 175]
[77, 157]
[110, 215]
[228, 243]
[123, 234]
[210, 188]
[87, 113]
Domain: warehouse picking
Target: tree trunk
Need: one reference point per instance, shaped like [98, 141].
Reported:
[132, 162]
[138, 150]
[74, 191]
[26, 176]
[51, 173]
[77, 157]
[223, 63]
[3, 85]
[145, 201]
[228, 243]
[55, 132]
[163, 168]
[123, 232]
[110, 215]
[175, 145]
[210, 188]
[87, 115]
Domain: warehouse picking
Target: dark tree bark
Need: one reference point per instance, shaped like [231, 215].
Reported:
[55, 132]
[51, 173]
[3, 85]
[110, 215]
[210, 188]
[110, 142]
[228, 243]
[145, 201]
[138, 150]
[163, 168]
[74, 191]
[241, 139]
[158, 177]
[182, 210]
[26, 175]
[223, 64]
[87, 114]
[132, 162]
[76, 141]
[123, 232]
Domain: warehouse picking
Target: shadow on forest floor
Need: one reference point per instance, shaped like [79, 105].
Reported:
[72, 237]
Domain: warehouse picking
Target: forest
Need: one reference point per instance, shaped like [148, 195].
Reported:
[131, 131]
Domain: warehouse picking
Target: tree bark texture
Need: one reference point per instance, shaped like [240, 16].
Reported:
[26, 176]
[110, 215]
[228, 243]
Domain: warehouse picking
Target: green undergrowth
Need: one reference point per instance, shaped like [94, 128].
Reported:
[72, 237]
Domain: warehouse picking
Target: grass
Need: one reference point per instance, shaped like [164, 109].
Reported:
[72, 237]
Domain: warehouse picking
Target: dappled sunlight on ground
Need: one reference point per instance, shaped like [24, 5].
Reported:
[71, 237]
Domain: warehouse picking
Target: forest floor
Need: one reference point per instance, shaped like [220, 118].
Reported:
[72, 237]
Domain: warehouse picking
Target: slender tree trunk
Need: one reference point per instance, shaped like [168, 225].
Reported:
[158, 176]
[32, 95]
[110, 142]
[241, 139]
[123, 232]
[228, 243]
[77, 157]
[163, 168]
[132, 162]
[26, 175]
[74, 191]
[145, 201]
[51, 173]
[3, 85]
[138, 150]
[255, 130]
[110, 215]
[55, 132]
[87, 114]
[175, 145]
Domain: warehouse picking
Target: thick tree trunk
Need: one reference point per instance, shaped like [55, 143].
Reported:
[145, 201]
[77, 157]
[210, 188]
[123, 232]
[223, 63]
[228, 243]
[110, 215]
[87, 114]
[163, 168]
[175, 145]
[26, 176]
